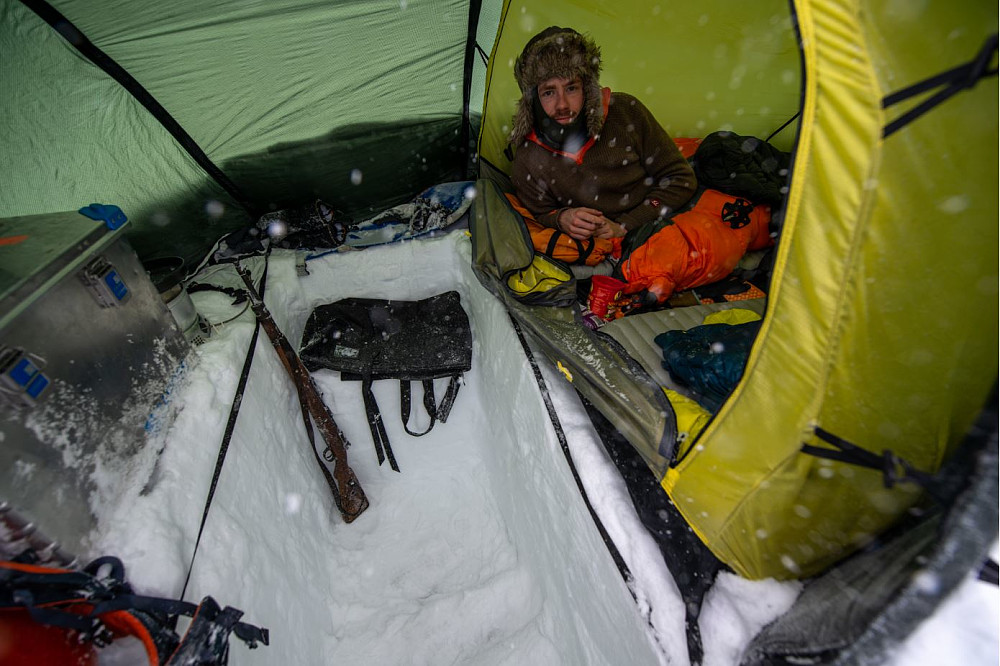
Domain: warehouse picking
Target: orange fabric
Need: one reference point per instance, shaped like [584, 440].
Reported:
[753, 292]
[24, 642]
[698, 248]
[18, 634]
[31, 568]
[21, 636]
[687, 146]
[122, 623]
[566, 249]
[13, 240]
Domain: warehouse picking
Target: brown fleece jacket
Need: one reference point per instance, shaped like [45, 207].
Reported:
[633, 173]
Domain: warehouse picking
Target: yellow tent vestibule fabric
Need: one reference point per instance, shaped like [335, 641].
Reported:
[881, 323]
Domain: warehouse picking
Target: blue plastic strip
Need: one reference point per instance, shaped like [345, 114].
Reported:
[111, 215]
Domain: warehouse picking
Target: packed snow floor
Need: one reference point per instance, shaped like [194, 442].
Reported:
[480, 551]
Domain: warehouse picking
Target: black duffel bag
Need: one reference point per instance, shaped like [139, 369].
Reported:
[369, 339]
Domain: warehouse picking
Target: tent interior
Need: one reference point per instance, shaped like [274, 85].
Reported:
[199, 120]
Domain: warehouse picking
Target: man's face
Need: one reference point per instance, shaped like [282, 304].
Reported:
[561, 99]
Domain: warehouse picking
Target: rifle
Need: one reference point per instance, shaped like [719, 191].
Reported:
[347, 492]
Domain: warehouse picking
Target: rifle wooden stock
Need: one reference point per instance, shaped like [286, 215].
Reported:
[347, 491]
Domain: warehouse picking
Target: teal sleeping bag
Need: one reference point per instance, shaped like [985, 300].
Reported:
[708, 359]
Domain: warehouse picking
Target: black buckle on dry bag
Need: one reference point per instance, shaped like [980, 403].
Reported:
[737, 213]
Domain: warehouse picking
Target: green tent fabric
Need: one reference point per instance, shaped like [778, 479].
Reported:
[350, 103]
[881, 324]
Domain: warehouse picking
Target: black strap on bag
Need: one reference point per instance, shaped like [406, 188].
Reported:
[435, 411]
[382, 448]
[411, 341]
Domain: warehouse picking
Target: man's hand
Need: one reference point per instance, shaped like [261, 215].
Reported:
[582, 223]
[610, 229]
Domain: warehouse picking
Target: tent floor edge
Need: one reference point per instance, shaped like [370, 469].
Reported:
[693, 566]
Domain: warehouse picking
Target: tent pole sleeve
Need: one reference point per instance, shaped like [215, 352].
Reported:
[79, 41]
[471, 45]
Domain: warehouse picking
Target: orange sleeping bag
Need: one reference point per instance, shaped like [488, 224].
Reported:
[695, 247]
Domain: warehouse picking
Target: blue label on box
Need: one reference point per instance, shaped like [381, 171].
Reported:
[115, 284]
[23, 372]
[38, 385]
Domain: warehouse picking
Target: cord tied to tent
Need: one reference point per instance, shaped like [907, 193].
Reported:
[894, 469]
[956, 79]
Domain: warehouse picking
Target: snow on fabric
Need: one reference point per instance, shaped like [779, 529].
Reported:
[481, 551]
[433, 209]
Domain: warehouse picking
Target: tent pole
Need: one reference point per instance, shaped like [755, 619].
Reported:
[109, 66]
[471, 43]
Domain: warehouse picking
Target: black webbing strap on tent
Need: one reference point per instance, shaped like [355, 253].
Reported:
[894, 469]
[691, 623]
[783, 126]
[561, 436]
[956, 79]
[79, 41]
[234, 412]
[989, 572]
[470, 59]
[482, 54]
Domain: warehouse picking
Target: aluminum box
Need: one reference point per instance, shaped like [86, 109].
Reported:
[87, 348]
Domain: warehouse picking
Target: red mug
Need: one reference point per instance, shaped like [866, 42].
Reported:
[603, 290]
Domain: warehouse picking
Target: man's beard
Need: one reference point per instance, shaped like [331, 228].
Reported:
[567, 138]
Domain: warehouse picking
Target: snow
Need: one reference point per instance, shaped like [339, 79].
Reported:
[963, 630]
[480, 551]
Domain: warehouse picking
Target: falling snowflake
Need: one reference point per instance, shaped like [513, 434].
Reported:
[214, 208]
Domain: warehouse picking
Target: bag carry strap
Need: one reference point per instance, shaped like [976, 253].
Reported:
[379, 436]
[449, 398]
[436, 412]
[429, 405]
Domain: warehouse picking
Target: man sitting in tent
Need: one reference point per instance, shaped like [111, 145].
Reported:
[589, 162]
[592, 163]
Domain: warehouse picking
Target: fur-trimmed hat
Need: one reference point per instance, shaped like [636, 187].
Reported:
[564, 53]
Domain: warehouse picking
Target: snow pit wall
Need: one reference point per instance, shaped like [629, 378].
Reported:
[480, 551]
[586, 613]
